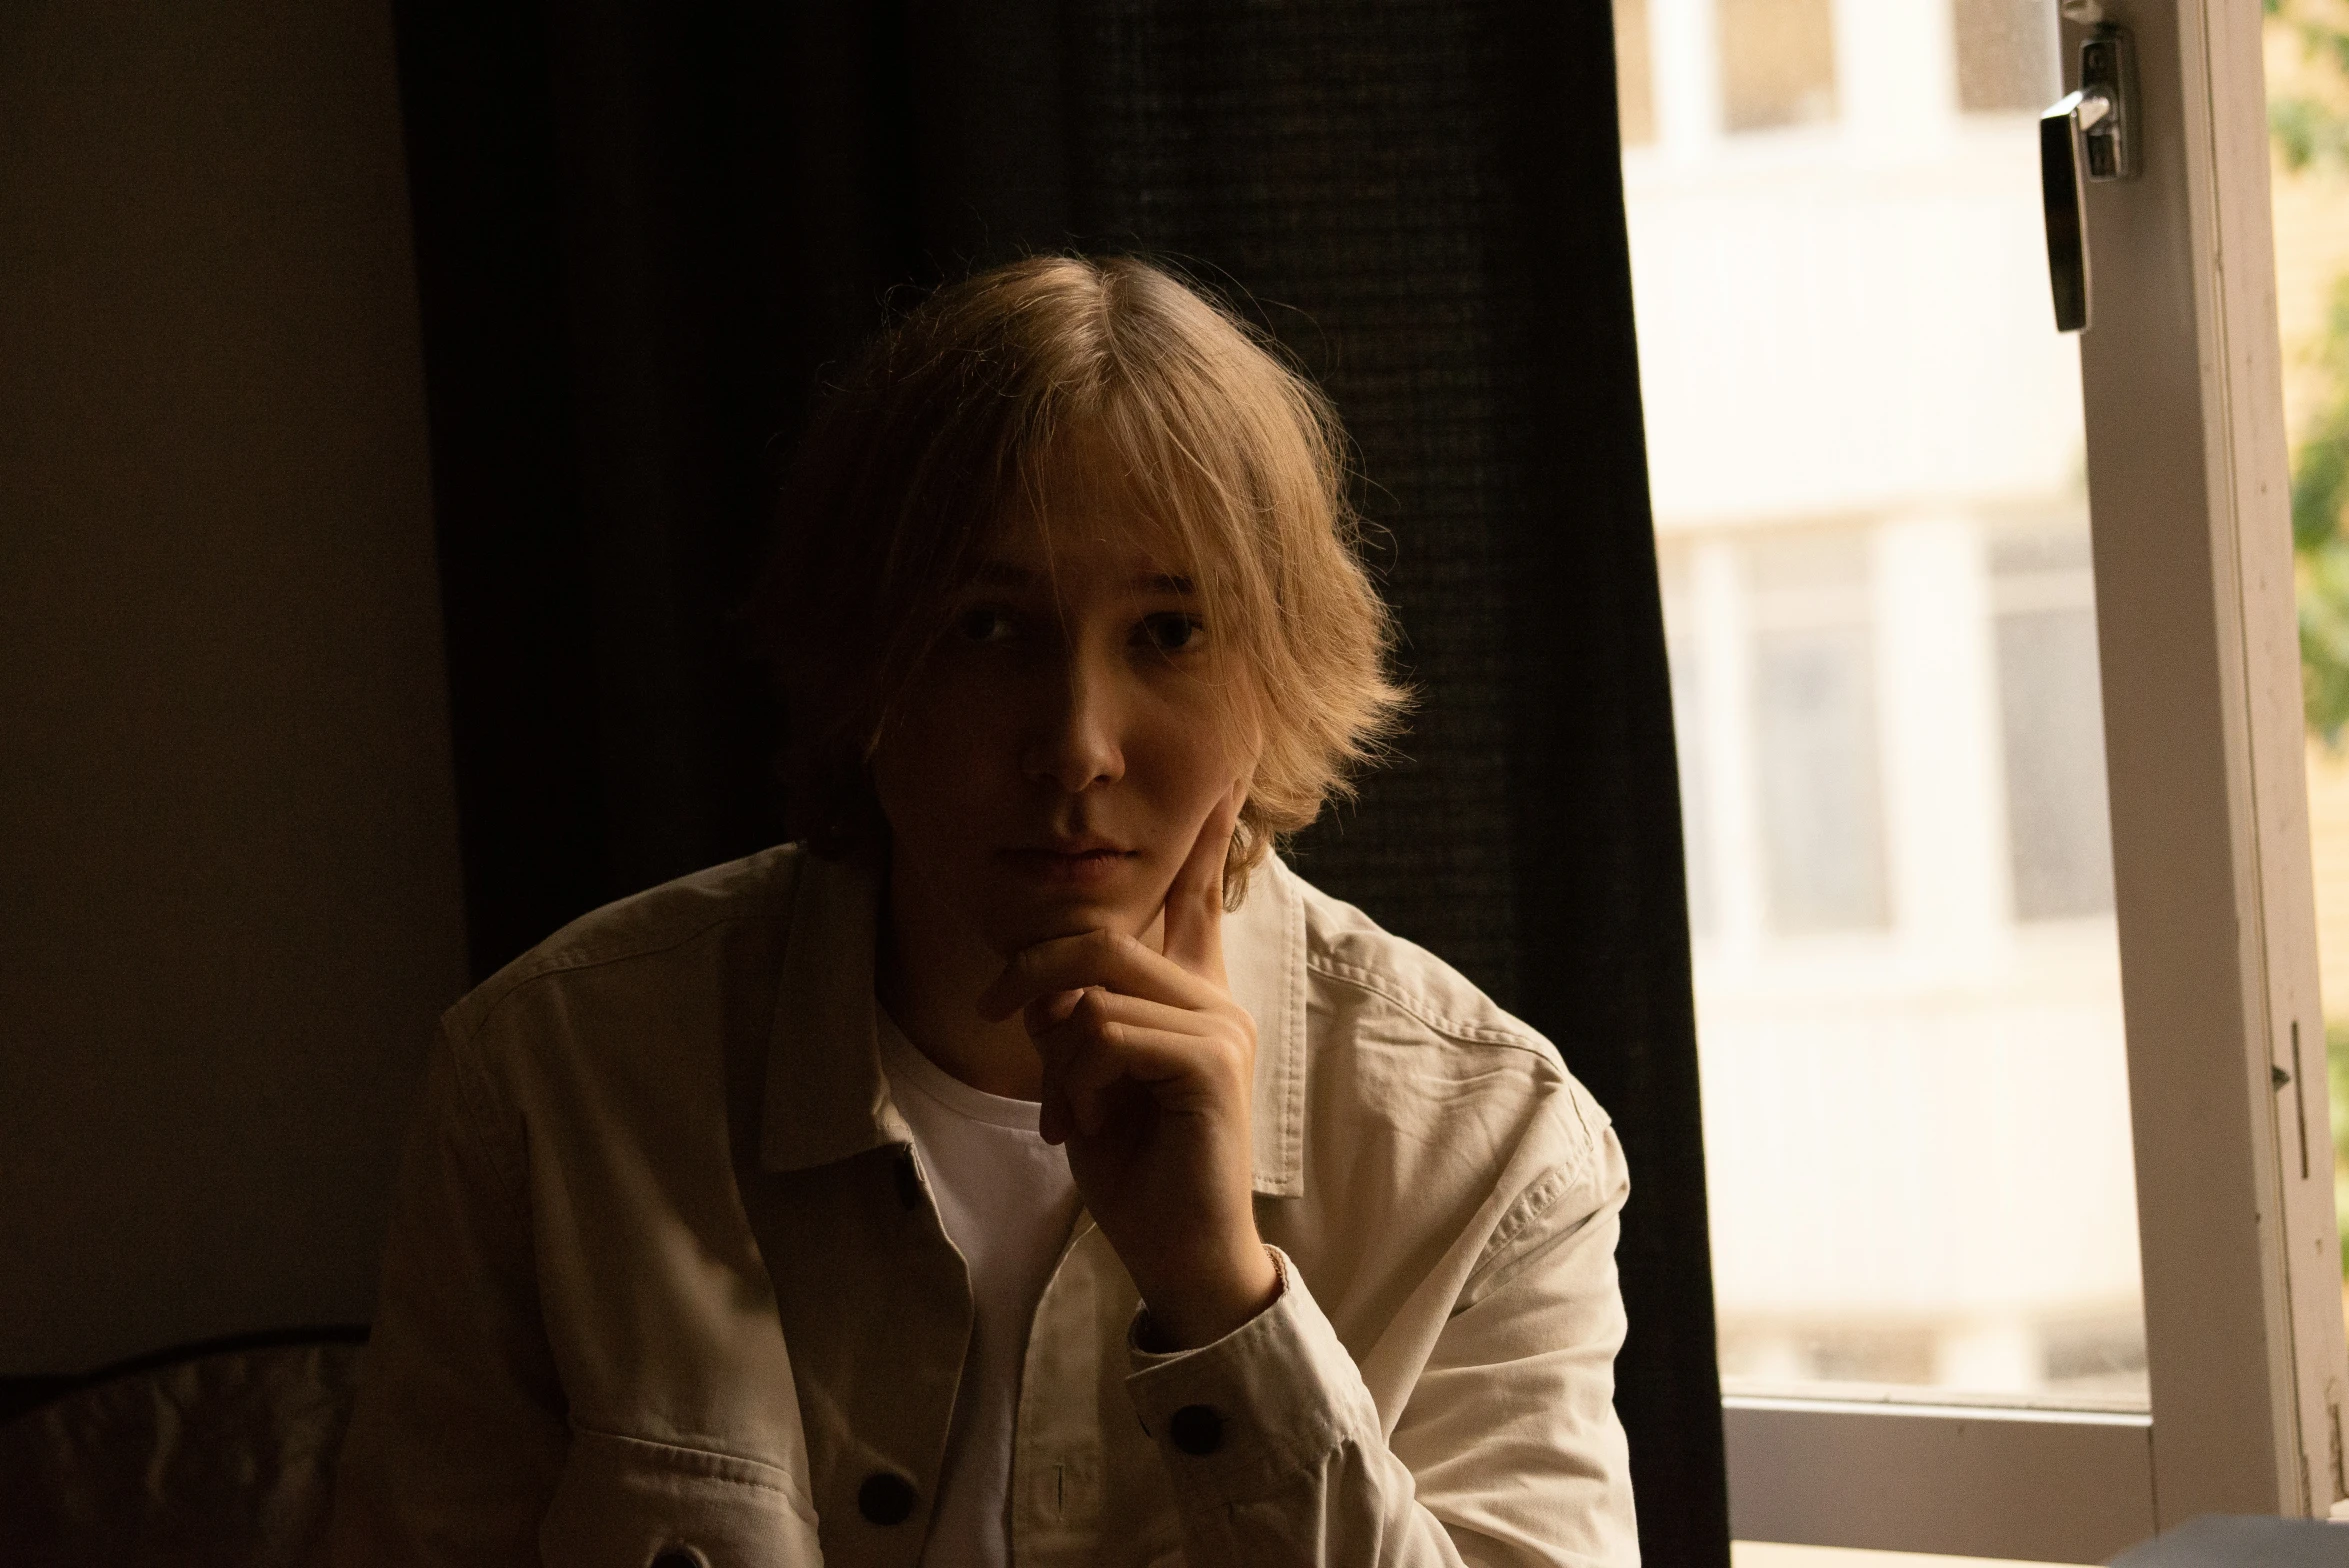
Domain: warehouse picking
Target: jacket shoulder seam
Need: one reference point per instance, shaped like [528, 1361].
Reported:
[469, 1084]
[1534, 1202]
[1454, 1029]
[570, 962]
[1517, 1234]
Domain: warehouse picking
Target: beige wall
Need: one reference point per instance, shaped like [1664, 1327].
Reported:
[229, 892]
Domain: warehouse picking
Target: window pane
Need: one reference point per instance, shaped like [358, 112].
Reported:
[1866, 458]
[1689, 720]
[1777, 63]
[2059, 838]
[1635, 76]
[1815, 711]
[2006, 55]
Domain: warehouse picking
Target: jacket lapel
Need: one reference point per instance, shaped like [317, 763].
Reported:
[874, 1300]
[1264, 961]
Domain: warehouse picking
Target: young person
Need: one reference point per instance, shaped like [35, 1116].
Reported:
[1027, 1168]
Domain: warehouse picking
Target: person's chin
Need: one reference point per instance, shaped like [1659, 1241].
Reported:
[1032, 920]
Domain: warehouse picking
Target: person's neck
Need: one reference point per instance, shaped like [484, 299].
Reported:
[929, 973]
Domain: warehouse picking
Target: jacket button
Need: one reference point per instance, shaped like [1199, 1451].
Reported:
[909, 1181]
[885, 1499]
[1196, 1429]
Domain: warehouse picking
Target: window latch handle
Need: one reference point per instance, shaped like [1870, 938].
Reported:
[2088, 136]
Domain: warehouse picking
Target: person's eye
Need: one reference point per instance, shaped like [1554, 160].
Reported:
[1172, 632]
[984, 623]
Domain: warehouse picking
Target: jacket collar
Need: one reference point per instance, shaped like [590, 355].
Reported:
[826, 1097]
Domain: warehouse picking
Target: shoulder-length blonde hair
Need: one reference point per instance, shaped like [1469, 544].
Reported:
[962, 410]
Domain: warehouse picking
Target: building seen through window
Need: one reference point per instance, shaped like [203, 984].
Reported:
[1768, 64]
[1918, 1142]
[1690, 742]
[1777, 63]
[1866, 456]
[1814, 697]
[1635, 74]
[2059, 835]
[2006, 58]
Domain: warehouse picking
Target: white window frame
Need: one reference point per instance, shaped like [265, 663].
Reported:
[2246, 1359]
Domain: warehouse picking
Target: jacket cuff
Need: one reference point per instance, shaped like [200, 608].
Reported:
[1236, 1418]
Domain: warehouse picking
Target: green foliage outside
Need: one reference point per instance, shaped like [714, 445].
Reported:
[2310, 130]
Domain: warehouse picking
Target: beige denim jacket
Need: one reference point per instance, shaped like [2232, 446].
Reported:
[665, 1284]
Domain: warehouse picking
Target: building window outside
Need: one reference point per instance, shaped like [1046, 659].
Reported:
[2006, 55]
[1635, 74]
[1777, 63]
[2059, 833]
[1689, 720]
[1915, 1076]
[1815, 721]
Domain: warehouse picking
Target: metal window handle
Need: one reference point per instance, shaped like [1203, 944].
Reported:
[2089, 135]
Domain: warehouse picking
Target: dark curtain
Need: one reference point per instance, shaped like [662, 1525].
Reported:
[644, 231]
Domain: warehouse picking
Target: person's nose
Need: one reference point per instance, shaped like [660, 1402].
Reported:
[1075, 741]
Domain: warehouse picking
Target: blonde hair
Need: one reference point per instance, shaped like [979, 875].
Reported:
[965, 409]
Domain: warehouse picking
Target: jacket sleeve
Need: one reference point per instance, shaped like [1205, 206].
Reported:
[458, 1437]
[1508, 1453]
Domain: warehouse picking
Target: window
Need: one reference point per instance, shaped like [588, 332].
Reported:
[2005, 55]
[1635, 74]
[1815, 711]
[1777, 63]
[1689, 724]
[2059, 835]
[1917, 1127]
[2003, 1269]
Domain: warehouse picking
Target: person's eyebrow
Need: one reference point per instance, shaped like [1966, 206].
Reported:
[1173, 583]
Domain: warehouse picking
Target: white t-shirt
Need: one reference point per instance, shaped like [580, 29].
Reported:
[1006, 1199]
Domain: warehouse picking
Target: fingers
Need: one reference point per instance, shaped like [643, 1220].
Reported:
[1191, 948]
[1049, 1011]
[1107, 1008]
[1108, 1040]
[1194, 903]
[1095, 958]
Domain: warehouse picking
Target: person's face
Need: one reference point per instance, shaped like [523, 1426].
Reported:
[1060, 751]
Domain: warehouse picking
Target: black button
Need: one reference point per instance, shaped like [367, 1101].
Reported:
[885, 1498]
[680, 1557]
[909, 1181]
[1196, 1430]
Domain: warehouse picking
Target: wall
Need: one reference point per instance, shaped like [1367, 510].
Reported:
[229, 887]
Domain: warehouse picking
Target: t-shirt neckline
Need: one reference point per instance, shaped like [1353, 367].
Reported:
[906, 1064]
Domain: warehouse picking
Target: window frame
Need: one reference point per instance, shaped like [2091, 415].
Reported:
[2197, 635]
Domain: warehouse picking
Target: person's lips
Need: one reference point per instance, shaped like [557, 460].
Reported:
[1068, 863]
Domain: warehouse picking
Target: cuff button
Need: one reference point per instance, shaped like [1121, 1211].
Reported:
[885, 1499]
[1196, 1429]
